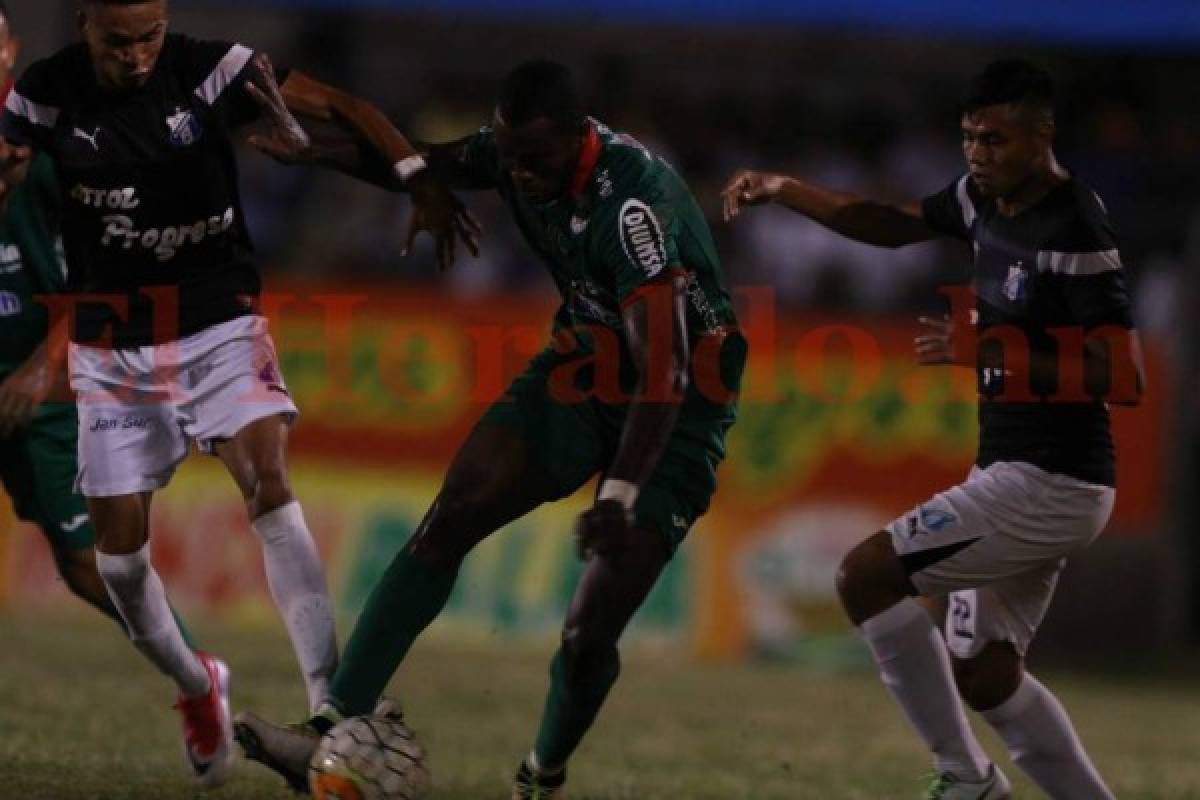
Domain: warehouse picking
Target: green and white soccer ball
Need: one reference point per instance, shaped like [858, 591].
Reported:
[369, 758]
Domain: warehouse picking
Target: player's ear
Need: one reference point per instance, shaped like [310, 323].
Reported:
[12, 51]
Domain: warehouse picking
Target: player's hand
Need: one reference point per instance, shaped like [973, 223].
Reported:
[750, 188]
[604, 529]
[14, 165]
[281, 137]
[936, 344]
[437, 210]
[21, 393]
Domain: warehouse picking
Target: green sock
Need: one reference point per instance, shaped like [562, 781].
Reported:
[571, 708]
[407, 598]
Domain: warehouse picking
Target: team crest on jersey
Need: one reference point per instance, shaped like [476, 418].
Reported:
[184, 128]
[641, 237]
[604, 183]
[10, 304]
[1014, 284]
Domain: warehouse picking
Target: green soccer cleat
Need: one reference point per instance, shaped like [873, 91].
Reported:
[947, 787]
[529, 784]
[286, 749]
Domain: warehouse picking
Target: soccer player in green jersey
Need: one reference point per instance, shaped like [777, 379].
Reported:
[638, 386]
[37, 435]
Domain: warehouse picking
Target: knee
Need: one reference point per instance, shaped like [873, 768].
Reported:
[448, 531]
[77, 568]
[271, 489]
[587, 657]
[988, 679]
[871, 579]
[120, 523]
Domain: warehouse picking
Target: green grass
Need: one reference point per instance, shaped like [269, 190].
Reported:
[82, 717]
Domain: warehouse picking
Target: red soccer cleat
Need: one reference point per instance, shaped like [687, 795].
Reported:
[207, 729]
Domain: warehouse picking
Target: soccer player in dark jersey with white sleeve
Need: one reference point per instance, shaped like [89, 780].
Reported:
[1047, 274]
[167, 345]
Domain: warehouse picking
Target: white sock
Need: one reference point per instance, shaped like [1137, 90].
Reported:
[1042, 742]
[137, 592]
[297, 585]
[915, 667]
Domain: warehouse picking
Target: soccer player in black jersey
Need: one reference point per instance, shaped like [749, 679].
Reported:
[167, 345]
[1047, 274]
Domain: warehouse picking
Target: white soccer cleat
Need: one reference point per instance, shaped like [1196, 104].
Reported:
[207, 728]
[947, 787]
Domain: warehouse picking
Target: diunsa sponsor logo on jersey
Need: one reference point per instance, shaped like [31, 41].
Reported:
[641, 237]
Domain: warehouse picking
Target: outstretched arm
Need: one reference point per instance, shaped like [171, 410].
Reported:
[881, 224]
[351, 135]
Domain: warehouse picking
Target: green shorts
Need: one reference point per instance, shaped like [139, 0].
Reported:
[37, 467]
[576, 440]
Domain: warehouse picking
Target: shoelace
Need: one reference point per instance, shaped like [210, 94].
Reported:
[939, 783]
[200, 723]
[532, 789]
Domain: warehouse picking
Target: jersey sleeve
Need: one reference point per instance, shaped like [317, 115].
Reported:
[32, 108]
[1084, 258]
[469, 163]
[951, 211]
[640, 244]
[219, 71]
[34, 213]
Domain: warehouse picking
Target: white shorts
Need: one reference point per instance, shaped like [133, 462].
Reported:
[141, 407]
[995, 546]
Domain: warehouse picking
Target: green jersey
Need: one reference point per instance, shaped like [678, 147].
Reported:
[629, 219]
[31, 263]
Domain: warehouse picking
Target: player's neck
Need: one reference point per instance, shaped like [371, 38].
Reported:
[1040, 183]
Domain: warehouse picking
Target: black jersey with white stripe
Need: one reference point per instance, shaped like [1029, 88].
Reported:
[152, 218]
[1050, 268]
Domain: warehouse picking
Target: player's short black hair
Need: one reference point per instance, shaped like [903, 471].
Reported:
[541, 89]
[1014, 81]
[113, 2]
[3, 10]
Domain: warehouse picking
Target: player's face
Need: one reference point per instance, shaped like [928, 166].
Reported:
[124, 40]
[1003, 146]
[540, 158]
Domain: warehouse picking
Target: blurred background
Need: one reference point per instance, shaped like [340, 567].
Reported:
[391, 362]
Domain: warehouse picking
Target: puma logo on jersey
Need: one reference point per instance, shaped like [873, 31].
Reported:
[578, 225]
[641, 237]
[74, 523]
[90, 138]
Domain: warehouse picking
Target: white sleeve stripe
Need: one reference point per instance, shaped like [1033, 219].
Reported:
[36, 113]
[1078, 263]
[224, 73]
[964, 203]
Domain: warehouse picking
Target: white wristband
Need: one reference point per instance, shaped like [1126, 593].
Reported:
[406, 168]
[624, 492]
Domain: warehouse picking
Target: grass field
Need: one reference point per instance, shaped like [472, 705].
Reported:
[83, 717]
